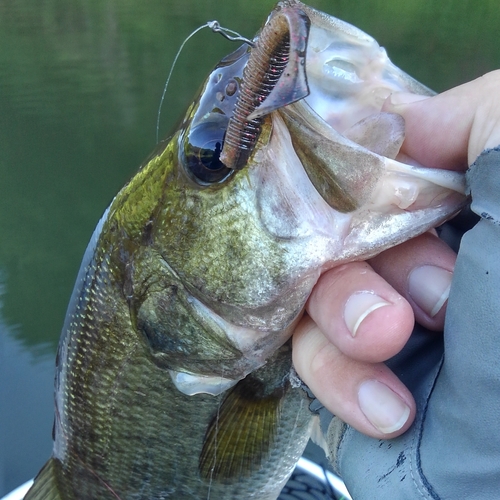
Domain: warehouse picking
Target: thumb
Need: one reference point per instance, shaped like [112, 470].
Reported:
[451, 129]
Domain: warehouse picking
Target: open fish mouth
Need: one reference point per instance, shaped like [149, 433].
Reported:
[324, 183]
[328, 80]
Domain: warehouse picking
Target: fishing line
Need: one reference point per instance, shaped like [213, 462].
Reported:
[216, 435]
[215, 26]
[211, 480]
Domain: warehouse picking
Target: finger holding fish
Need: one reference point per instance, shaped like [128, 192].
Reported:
[421, 270]
[378, 302]
[367, 396]
[350, 303]
[356, 321]
[450, 129]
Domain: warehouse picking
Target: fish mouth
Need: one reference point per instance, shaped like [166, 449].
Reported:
[332, 82]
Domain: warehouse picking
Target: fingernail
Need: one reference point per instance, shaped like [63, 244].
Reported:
[386, 411]
[358, 307]
[429, 287]
[405, 98]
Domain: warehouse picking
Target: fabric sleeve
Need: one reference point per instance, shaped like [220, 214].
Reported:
[452, 451]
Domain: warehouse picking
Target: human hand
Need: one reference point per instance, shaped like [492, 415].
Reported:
[380, 299]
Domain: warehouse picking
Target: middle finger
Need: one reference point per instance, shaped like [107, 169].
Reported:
[360, 312]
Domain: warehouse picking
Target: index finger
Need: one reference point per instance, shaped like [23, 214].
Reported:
[451, 129]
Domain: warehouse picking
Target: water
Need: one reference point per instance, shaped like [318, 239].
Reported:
[80, 84]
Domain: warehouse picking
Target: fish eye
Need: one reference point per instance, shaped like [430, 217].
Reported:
[202, 148]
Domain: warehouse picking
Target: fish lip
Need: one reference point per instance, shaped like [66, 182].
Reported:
[325, 52]
[344, 60]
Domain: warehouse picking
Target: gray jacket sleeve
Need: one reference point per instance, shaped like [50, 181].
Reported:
[452, 451]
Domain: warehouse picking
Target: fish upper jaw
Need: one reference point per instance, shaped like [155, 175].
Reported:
[348, 72]
[350, 149]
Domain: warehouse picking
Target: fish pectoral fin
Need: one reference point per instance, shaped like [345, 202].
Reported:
[45, 485]
[241, 434]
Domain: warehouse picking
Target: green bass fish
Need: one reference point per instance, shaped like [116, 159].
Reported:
[174, 376]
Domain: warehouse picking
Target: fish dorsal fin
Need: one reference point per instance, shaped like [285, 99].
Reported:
[240, 436]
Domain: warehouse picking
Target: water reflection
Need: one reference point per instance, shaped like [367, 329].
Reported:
[26, 409]
[80, 83]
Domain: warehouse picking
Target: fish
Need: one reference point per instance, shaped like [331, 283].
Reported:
[174, 376]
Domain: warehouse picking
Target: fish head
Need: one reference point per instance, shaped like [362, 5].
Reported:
[241, 226]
